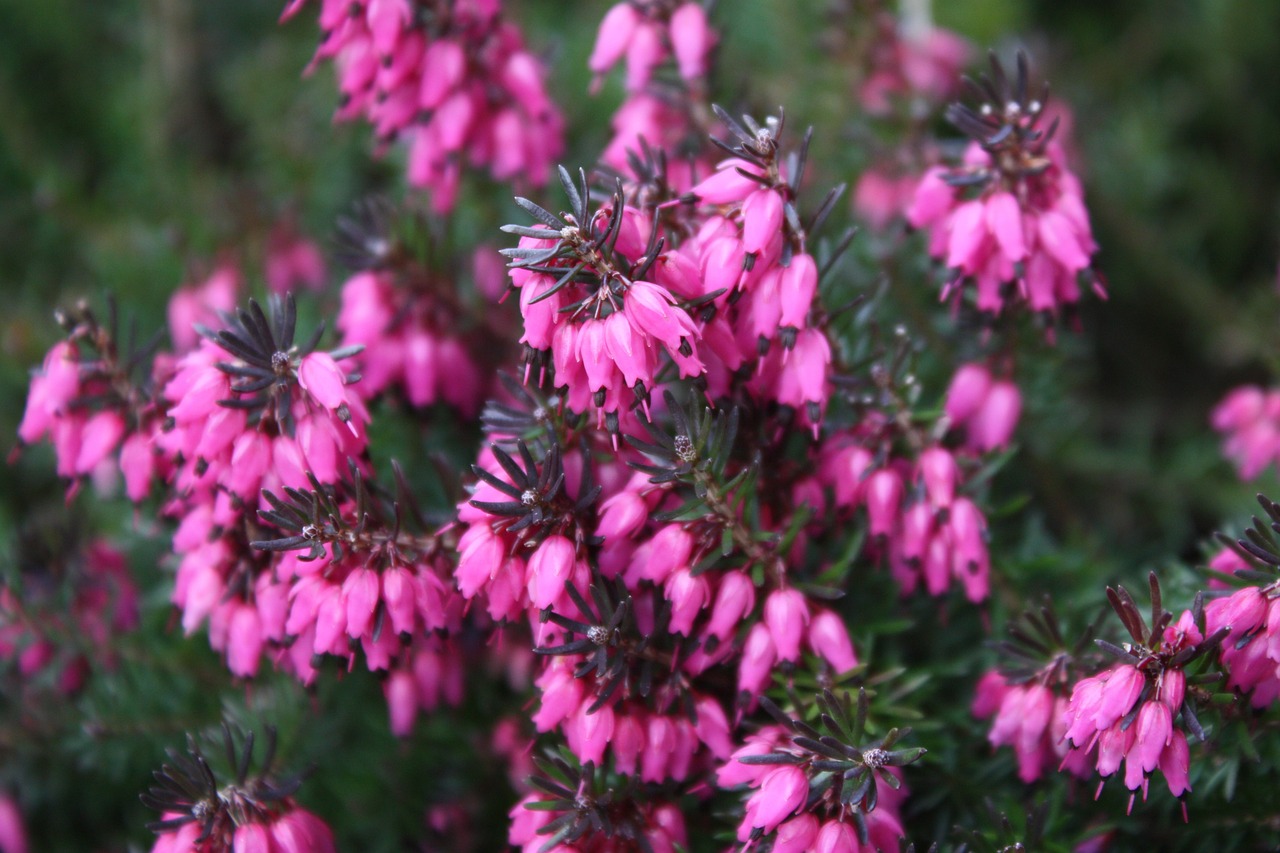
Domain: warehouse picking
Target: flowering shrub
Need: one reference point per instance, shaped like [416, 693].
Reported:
[655, 512]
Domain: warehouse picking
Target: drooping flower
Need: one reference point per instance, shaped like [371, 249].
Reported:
[461, 89]
[1011, 218]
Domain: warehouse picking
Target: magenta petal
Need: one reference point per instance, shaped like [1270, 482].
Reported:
[1004, 219]
[320, 376]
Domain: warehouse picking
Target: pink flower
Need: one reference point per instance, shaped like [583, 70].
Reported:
[938, 469]
[883, 497]
[735, 599]
[691, 39]
[688, 596]
[992, 425]
[459, 91]
[1025, 224]
[549, 569]
[1175, 761]
[967, 392]
[300, 831]
[320, 376]
[786, 613]
[616, 31]
[1249, 420]
[200, 304]
[829, 639]
[836, 836]
[781, 793]
[990, 693]
[758, 658]
[13, 836]
[796, 835]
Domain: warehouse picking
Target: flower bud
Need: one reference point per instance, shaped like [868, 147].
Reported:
[691, 39]
[883, 496]
[829, 639]
[993, 424]
[549, 568]
[616, 30]
[786, 613]
[967, 391]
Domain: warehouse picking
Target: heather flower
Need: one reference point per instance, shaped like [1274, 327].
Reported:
[410, 341]
[829, 639]
[250, 411]
[88, 400]
[1249, 616]
[362, 583]
[985, 408]
[1127, 712]
[805, 778]
[610, 344]
[202, 303]
[13, 835]
[646, 34]
[907, 60]
[1010, 219]
[782, 792]
[1249, 420]
[459, 89]
[923, 530]
[250, 813]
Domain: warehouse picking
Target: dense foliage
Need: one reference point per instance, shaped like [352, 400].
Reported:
[638, 426]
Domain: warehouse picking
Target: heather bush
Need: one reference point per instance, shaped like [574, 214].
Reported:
[639, 426]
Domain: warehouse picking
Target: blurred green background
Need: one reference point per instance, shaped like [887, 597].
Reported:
[139, 139]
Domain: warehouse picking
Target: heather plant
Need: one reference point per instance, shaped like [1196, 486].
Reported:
[610, 481]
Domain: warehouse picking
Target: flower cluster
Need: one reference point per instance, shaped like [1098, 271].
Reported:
[252, 812]
[606, 294]
[919, 521]
[248, 410]
[90, 402]
[1250, 615]
[1011, 218]
[1249, 420]
[1027, 696]
[410, 341]
[902, 67]
[353, 580]
[451, 78]
[663, 117]
[643, 546]
[984, 408]
[1127, 713]
[906, 58]
[822, 789]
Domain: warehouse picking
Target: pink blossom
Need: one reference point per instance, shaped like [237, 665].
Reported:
[616, 31]
[758, 657]
[13, 836]
[691, 39]
[549, 569]
[735, 599]
[781, 793]
[883, 497]
[796, 835]
[829, 639]
[1249, 420]
[786, 614]
[836, 836]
